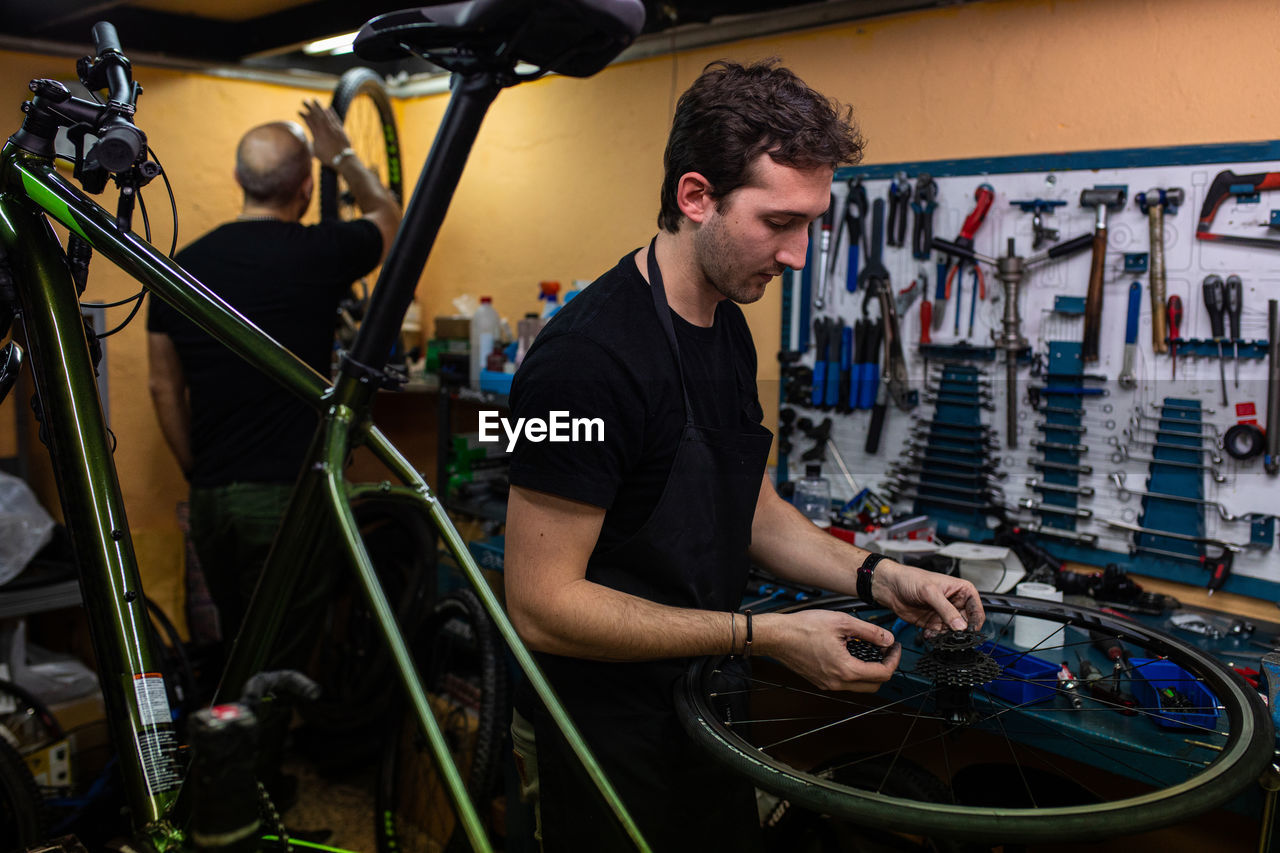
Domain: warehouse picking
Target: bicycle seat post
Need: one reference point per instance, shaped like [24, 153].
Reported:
[472, 95]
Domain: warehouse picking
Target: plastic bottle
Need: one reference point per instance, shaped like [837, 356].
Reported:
[548, 292]
[485, 327]
[813, 496]
[528, 330]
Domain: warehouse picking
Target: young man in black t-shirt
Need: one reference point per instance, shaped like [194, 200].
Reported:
[239, 437]
[627, 556]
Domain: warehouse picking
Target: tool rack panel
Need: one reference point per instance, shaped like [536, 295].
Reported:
[1077, 342]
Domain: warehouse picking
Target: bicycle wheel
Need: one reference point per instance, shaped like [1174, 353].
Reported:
[1085, 760]
[21, 809]
[26, 723]
[459, 658]
[351, 662]
[180, 679]
[361, 101]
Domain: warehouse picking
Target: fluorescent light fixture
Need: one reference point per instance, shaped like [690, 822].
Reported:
[333, 46]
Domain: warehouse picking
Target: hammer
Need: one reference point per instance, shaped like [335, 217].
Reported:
[1155, 203]
[1103, 200]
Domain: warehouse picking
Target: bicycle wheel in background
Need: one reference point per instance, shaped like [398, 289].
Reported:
[351, 663]
[459, 656]
[361, 101]
[21, 809]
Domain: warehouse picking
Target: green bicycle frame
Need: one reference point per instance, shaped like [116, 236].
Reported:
[31, 190]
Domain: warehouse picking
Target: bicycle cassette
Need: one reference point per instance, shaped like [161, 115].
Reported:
[956, 661]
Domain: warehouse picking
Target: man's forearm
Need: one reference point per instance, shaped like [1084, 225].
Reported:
[794, 548]
[369, 193]
[175, 424]
[587, 620]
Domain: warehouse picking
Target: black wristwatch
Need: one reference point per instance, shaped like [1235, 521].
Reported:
[865, 573]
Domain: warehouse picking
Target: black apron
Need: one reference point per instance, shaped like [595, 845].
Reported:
[690, 552]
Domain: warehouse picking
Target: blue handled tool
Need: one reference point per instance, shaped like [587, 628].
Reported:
[835, 337]
[1128, 379]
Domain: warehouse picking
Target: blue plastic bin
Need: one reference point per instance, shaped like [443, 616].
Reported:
[1151, 675]
[1026, 679]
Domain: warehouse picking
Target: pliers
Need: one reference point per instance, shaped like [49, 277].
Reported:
[899, 203]
[923, 205]
[855, 214]
[983, 196]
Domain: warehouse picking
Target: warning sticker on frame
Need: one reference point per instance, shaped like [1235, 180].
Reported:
[153, 701]
[157, 743]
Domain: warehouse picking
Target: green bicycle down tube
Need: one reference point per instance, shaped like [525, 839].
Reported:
[378, 444]
[75, 430]
[42, 183]
[338, 424]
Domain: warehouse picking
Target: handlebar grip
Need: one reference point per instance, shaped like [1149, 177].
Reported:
[105, 38]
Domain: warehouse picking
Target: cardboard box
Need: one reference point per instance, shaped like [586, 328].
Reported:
[453, 326]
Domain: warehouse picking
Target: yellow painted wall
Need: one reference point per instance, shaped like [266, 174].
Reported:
[193, 122]
[564, 178]
[565, 175]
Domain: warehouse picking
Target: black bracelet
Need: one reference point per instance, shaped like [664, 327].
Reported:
[865, 573]
[746, 648]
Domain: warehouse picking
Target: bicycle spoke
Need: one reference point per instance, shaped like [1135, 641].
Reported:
[848, 719]
[1013, 753]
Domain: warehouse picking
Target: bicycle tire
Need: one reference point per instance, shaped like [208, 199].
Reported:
[361, 100]
[30, 725]
[459, 655]
[180, 679]
[1199, 783]
[351, 662]
[21, 808]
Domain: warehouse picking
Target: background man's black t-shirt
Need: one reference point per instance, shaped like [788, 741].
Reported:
[288, 279]
[604, 355]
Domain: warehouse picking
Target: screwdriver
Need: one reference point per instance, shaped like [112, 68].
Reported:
[1174, 309]
[1235, 300]
[1214, 303]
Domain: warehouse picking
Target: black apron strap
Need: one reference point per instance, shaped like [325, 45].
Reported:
[664, 317]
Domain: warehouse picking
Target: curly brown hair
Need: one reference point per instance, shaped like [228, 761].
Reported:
[733, 113]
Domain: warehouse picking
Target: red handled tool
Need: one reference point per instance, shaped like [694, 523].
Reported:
[982, 196]
[1175, 321]
[1228, 183]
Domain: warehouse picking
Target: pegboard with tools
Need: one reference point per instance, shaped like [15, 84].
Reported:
[1081, 344]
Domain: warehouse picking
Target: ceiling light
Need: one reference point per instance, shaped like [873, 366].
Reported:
[333, 46]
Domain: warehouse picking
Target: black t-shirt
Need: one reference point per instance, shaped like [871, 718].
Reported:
[604, 355]
[288, 279]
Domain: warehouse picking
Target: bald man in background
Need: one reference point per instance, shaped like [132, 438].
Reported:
[238, 436]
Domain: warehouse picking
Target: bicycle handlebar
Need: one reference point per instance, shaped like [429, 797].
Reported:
[120, 144]
[105, 38]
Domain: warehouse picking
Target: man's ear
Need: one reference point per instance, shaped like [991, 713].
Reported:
[693, 197]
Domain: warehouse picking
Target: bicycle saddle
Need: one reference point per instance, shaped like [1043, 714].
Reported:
[572, 37]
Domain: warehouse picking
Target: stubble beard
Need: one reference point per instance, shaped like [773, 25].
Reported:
[719, 265]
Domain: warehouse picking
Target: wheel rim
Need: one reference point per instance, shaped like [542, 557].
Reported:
[1140, 772]
[364, 126]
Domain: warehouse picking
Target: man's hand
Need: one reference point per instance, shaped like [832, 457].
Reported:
[931, 601]
[813, 644]
[328, 137]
